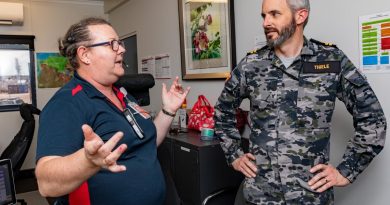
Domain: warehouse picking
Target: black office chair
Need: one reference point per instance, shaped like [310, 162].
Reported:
[224, 196]
[138, 86]
[229, 194]
[18, 148]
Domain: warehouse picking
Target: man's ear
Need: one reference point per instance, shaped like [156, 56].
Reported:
[83, 55]
[301, 16]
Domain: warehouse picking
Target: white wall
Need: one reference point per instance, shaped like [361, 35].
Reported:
[156, 24]
[47, 20]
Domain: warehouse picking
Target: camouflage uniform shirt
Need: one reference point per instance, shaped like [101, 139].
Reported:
[290, 117]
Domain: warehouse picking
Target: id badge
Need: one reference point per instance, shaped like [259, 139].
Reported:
[139, 110]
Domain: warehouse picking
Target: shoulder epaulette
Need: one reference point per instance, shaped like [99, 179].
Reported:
[252, 52]
[324, 44]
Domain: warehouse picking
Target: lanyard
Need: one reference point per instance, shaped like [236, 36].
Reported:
[133, 122]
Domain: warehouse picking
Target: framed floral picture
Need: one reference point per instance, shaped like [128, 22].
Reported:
[207, 38]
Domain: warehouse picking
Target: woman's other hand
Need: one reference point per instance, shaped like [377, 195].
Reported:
[174, 97]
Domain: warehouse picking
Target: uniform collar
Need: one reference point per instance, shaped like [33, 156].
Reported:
[307, 49]
[91, 91]
[87, 87]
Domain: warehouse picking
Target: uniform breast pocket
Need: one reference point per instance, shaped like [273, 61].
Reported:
[263, 101]
[316, 97]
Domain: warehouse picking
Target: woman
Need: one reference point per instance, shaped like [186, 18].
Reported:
[95, 145]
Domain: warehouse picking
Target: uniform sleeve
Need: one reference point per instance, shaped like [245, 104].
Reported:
[60, 131]
[368, 120]
[225, 114]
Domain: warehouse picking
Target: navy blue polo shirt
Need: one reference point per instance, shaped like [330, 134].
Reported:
[60, 134]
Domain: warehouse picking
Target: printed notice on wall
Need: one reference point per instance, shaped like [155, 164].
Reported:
[148, 65]
[163, 67]
[374, 40]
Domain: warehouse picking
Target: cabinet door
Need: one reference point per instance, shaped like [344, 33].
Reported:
[165, 156]
[186, 174]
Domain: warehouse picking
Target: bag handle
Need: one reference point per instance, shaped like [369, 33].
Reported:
[197, 103]
[209, 109]
[204, 100]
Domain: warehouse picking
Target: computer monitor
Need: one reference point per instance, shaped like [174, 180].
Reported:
[7, 186]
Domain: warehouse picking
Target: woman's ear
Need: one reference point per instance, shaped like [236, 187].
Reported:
[301, 16]
[83, 55]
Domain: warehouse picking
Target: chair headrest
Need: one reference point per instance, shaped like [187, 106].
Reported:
[138, 86]
[136, 82]
[27, 111]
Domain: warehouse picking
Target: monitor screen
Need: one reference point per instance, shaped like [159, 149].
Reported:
[7, 186]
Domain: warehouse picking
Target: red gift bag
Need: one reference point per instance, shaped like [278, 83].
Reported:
[201, 115]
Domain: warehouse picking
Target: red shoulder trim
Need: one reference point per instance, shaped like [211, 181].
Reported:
[77, 89]
[80, 195]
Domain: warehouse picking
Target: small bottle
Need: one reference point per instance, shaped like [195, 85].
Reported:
[182, 112]
[175, 126]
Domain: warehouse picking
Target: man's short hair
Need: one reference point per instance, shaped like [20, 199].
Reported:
[296, 5]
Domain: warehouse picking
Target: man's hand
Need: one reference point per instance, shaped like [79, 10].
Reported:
[245, 165]
[100, 154]
[326, 177]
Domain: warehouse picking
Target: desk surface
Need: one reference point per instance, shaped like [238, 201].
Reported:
[193, 137]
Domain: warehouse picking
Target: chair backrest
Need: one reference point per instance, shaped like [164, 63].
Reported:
[18, 148]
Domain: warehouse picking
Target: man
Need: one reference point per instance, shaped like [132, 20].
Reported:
[292, 84]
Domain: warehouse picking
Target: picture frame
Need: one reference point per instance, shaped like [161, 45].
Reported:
[207, 38]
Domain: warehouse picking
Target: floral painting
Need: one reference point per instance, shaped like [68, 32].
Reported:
[205, 29]
[206, 38]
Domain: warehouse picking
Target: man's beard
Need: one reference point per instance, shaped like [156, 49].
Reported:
[285, 33]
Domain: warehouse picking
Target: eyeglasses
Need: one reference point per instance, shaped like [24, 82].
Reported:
[114, 44]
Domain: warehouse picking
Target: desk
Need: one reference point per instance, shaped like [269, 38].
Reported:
[196, 169]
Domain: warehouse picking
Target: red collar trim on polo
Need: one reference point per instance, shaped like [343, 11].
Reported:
[77, 89]
[120, 96]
